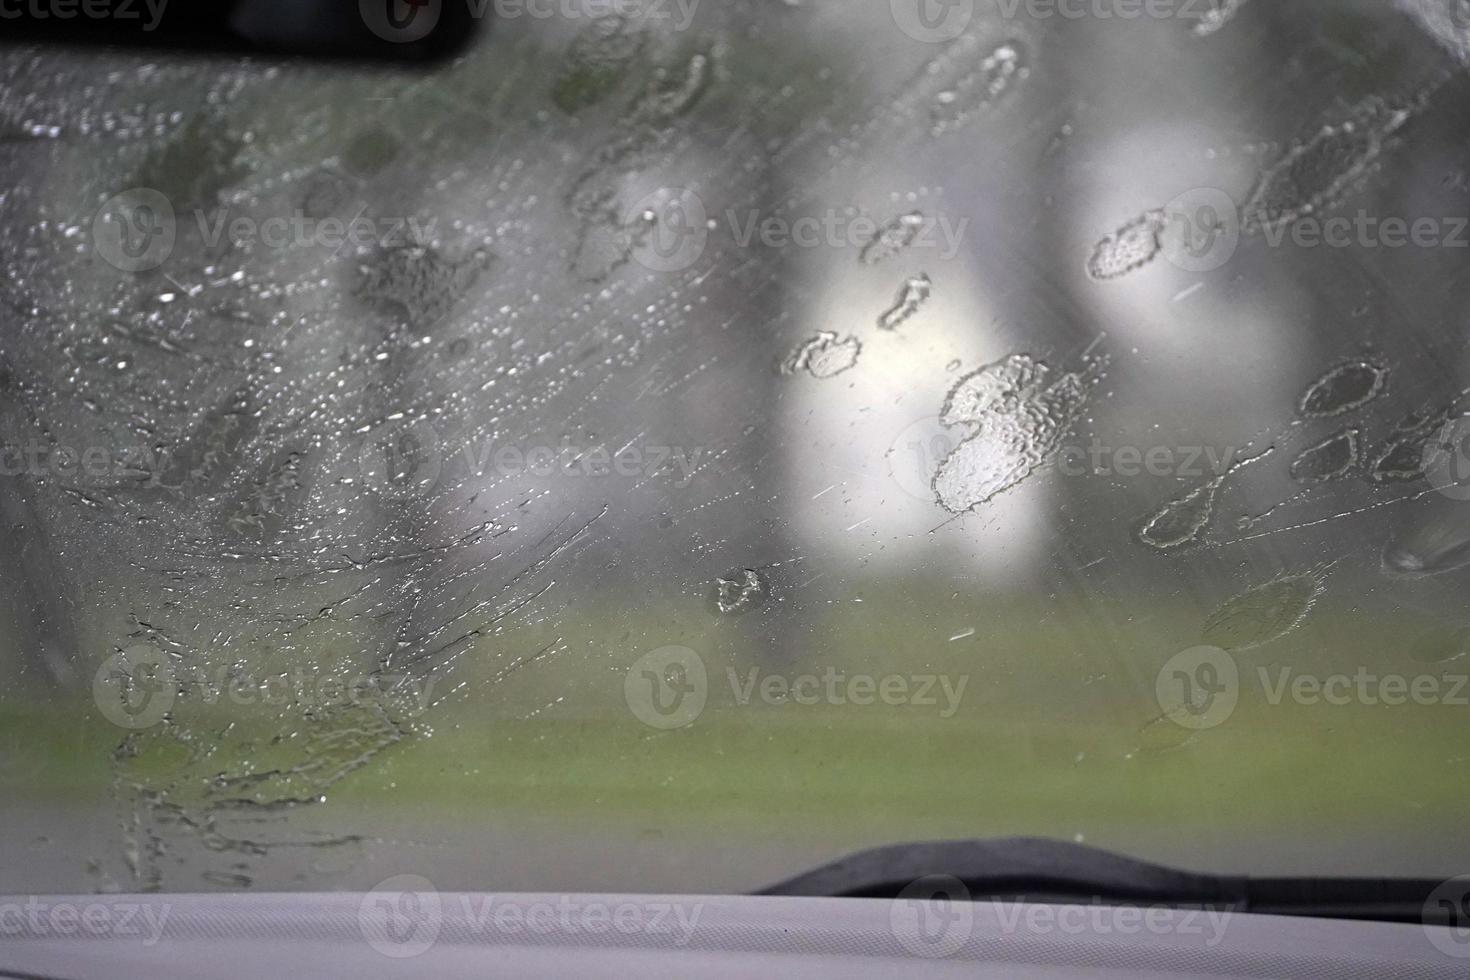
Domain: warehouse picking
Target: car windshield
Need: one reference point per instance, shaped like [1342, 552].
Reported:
[672, 444]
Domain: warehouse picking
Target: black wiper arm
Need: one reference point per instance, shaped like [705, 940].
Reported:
[1054, 871]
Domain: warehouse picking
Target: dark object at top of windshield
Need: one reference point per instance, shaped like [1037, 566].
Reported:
[407, 31]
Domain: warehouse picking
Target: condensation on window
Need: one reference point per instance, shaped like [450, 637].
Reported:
[367, 432]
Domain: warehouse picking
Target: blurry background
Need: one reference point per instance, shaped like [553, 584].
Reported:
[317, 453]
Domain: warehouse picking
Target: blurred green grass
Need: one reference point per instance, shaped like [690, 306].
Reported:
[1052, 735]
[1009, 771]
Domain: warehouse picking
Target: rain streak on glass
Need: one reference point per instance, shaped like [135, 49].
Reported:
[1266, 612]
[1014, 415]
[823, 356]
[740, 591]
[1329, 460]
[1343, 389]
[392, 519]
[911, 300]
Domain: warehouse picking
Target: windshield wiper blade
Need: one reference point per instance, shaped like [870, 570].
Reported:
[1041, 870]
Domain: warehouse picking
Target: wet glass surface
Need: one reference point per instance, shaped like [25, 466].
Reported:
[667, 451]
